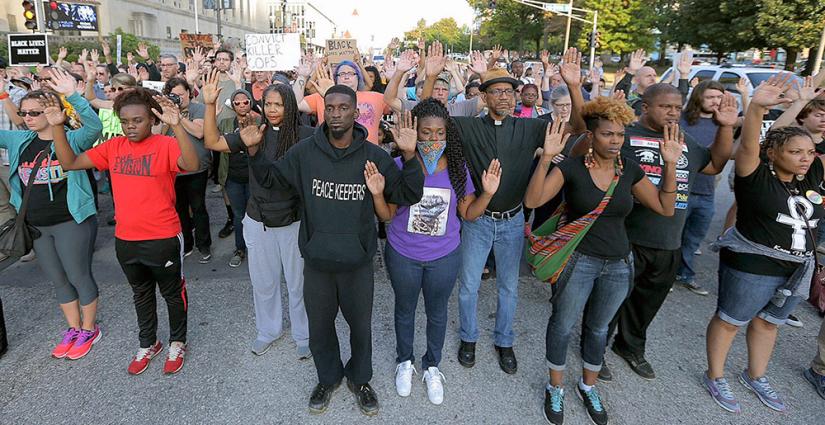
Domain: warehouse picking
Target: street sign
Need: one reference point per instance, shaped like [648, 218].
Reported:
[557, 7]
[28, 49]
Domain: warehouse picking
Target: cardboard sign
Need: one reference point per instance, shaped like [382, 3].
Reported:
[189, 41]
[341, 49]
[28, 49]
[273, 52]
[153, 85]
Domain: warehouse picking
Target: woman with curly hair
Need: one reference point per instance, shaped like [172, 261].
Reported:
[599, 271]
[422, 240]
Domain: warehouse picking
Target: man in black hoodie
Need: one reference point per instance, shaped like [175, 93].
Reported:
[337, 237]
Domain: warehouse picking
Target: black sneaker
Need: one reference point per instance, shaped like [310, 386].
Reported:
[593, 404]
[467, 354]
[637, 363]
[605, 374]
[507, 359]
[366, 398]
[554, 405]
[321, 395]
[227, 230]
[206, 255]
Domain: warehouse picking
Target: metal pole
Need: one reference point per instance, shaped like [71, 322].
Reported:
[218, 16]
[567, 31]
[819, 53]
[197, 31]
[593, 46]
[40, 17]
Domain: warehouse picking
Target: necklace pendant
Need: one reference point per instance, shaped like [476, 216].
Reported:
[800, 177]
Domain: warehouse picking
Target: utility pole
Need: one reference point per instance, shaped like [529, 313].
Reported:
[219, 6]
[197, 31]
[593, 44]
[567, 30]
[819, 53]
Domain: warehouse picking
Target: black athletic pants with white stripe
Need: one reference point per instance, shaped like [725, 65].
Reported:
[151, 263]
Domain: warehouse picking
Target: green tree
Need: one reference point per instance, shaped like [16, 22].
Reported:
[624, 25]
[445, 30]
[129, 43]
[510, 24]
[791, 25]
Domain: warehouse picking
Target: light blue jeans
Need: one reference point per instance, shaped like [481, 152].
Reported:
[477, 238]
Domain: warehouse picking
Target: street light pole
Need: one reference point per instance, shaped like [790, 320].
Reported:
[819, 53]
[197, 31]
[593, 44]
[569, 21]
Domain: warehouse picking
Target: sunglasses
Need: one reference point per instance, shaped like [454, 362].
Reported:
[29, 113]
[119, 89]
[242, 102]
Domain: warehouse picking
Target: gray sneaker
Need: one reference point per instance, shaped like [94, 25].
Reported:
[237, 258]
[817, 380]
[720, 390]
[693, 287]
[304, 352]
[206, 255]
[763, 390]
[260, 347]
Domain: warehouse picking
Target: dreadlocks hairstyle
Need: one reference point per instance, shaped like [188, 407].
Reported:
[776, 138]
[456, 164]
[694, 103]
[288, 129]
[138, 96]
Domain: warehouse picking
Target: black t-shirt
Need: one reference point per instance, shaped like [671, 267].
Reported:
[645, 227]
[768, 216]
[238, 167]
[607, 237]
[46, 207]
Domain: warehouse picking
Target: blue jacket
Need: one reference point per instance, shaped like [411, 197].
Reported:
[79, 196]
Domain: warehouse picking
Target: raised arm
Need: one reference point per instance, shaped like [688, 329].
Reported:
[170, 115]
[63, 83]
[405, 63]
[637, 61]
[571, 73]
[662, 201]
[804, 94]
[720, 151]
[432, 67]
[69, 160]
[472, 207]
[299, 86]
[544, 187]
[211, 90]
[769, 93]
[406, 186]
[683, 66]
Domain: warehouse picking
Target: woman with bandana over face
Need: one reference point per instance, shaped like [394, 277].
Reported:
[422, 240]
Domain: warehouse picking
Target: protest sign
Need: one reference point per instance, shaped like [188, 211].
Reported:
[28, 49]
[190, 41]
[341, 49]
[273, 52]
[153, 85]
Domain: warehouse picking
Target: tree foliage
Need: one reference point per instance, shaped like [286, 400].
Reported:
[445, 30]
[129, 43]
[624, 25]
[792, 25]
[513, 25]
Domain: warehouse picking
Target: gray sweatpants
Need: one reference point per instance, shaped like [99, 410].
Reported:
[271, 252]
[64, 252]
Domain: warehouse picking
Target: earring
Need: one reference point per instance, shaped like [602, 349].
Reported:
[589, 161]
[770, 167]
[619, 166]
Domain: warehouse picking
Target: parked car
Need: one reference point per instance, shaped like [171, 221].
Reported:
[729, 75]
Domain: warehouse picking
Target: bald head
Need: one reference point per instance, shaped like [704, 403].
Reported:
[645, 77]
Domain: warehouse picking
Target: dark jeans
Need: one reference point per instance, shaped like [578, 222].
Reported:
[436, 280]
[238, 194]
[654, 274]
[325, 293]
[150, 264]
[190, 191]
[699, 215]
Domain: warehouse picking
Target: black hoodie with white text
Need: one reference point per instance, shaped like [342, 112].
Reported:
[338, 231]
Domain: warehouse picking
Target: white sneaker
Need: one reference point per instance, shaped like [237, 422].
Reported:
[403, 378]
[435, 385]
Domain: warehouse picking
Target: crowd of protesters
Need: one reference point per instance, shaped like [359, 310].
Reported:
[448, 170]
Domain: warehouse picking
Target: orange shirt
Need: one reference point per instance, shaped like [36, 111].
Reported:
[371, 108]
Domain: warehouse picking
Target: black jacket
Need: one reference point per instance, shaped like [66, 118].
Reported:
[338, 231]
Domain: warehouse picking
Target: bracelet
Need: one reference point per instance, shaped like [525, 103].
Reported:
[4, 95]
[668, 191]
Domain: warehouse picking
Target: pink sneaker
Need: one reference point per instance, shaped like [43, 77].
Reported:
[83, 344]
[69, 337]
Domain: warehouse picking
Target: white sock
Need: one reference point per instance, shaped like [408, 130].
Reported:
[550, 387]
[584, 386]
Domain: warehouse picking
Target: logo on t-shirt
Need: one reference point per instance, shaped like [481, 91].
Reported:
[429, 217]
[798, 222]
[646, 150]
[133, 166]
[366, 114]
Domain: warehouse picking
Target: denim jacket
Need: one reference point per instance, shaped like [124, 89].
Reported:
[79, 196]
[799, 284]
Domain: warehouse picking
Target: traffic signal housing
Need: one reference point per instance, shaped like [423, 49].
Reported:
[29, 15]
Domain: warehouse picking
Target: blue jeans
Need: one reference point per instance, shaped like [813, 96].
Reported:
[601, 284]
[238, 194]
[409, 278]
[743, 296]
[699, 215]
[477, 238]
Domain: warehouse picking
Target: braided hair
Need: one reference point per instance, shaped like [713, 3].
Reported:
[456, 163]
[777, 137]
[288, 134]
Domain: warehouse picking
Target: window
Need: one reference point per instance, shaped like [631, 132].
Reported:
[168, 32]
[705, 74]
[729, 80]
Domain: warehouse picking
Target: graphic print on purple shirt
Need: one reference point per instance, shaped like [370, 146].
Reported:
[431, 228]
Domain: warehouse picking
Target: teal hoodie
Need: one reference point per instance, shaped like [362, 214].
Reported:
[79, 195]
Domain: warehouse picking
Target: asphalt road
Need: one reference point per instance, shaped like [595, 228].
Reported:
[223, 383]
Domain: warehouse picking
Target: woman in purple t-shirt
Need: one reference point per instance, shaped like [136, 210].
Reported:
[422, 239]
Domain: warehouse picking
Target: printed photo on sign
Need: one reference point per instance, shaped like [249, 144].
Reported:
[429, 217]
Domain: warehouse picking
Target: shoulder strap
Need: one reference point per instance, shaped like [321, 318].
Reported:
[25, 203]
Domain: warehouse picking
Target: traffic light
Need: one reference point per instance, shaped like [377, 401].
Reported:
[598, 39]
[29, 15]
[593, 39]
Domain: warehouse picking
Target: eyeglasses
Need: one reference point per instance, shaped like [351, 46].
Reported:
[499, 92]
[345, 74]
[119, 89]
[241, 102]
[529, 95]
[29, 113]
[36, 78]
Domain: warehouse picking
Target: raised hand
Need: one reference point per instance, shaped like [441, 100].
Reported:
[684, 64]
[304, 68]
[554, 139]
[495, 53]
[211, 90]
[728, 112]
[742, 86]
[94, 55]
[197, 55]
[51, 109]
[477, 63]
[323, 80]
[374, 178]
[235, 75]
[693, 82]
[806, 91]
[571, 70]
[107, 51]
[407, 137]
[436, 60]
[83, 54]
[671, 145]
[545, 58]
[143, 51]
[773, 91]
[170, 114]
[192, 71]
[406, 61]
[491, 177]
[252, 135]
[130, 58]
[619, 95]
[62, 53]
[637, 61]
[61, 82]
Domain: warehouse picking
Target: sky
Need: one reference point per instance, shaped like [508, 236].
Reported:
[385, 19]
